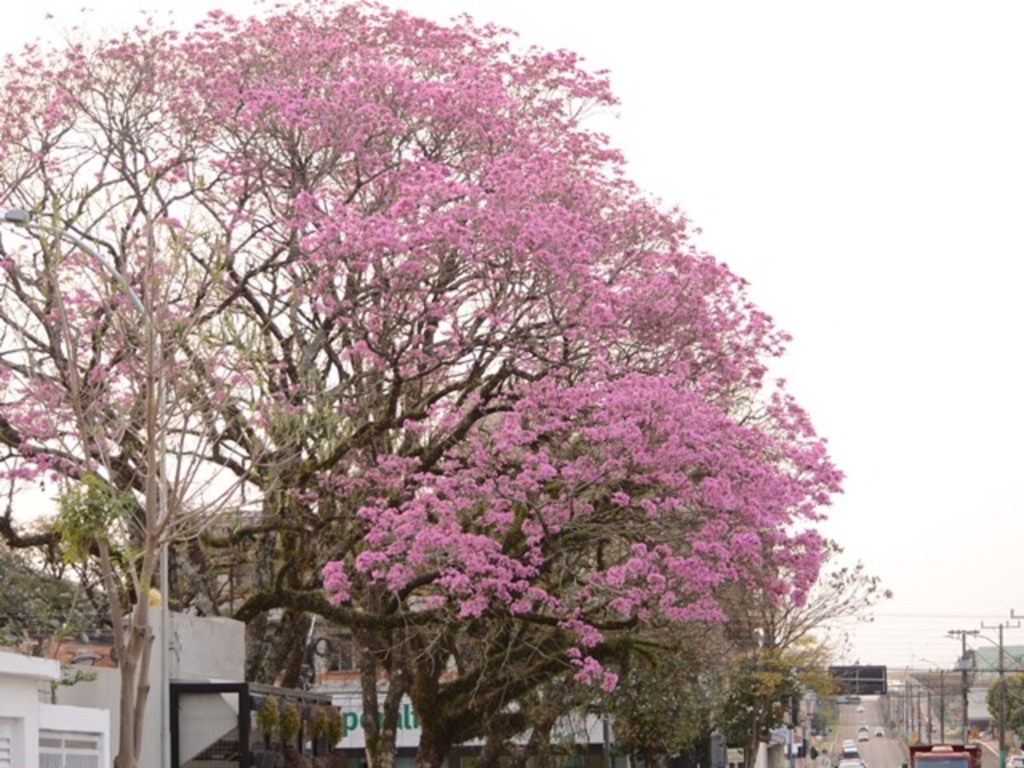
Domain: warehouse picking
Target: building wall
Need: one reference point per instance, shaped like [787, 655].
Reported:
[21, 678]
[581, 729]
[204, 649]
[68, 719]
[25, 684]
[201, 649]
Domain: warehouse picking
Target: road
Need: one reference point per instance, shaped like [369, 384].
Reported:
[884, 751]
[878, 751]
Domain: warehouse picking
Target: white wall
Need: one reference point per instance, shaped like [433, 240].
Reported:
[20, 680]
[25, 684]
[202, 649]
[68, 719]
[205, 649]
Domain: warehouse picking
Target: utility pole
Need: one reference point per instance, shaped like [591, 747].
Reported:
[942, 706]
[942, 701]
[912, 733]
[920, 725]
[963, 675]
[911, 730]
[928, 713]
[903, 710]
[1002, 691]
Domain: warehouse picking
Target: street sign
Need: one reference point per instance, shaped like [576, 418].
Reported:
[857, 680]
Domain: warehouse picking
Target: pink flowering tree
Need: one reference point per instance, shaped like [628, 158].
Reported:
[494, 408]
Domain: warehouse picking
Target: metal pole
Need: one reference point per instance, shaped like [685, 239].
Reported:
[1002, 703]
[905, 710]
[942, 702]
[910, 707]
[963, 686]
[928, 713]
[908, 713]
[921, 725]
[942, 706]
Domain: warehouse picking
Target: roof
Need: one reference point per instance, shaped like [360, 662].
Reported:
[986, 658]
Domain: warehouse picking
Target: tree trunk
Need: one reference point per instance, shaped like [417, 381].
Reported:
[434, 747]
[132, 661]
[380, 726]
[753, 741]
[142, 642]
[276, 651]
[134, 687]
[491, 754]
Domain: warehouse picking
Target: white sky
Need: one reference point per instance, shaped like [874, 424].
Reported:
[861, 164]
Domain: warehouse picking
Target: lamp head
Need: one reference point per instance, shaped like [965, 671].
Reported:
[16, 215]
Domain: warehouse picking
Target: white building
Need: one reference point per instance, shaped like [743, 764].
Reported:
[37, 734]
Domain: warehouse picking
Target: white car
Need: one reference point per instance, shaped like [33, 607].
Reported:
[1015, 761]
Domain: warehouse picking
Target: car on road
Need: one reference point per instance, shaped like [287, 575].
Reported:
[1015, 761]
[880, 731]
[863, 736]
[860, 707]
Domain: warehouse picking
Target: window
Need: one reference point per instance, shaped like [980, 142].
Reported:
[68, 750]
[6, 743]
[337, 652]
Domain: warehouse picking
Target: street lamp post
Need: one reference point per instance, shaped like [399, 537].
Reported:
[23, 219]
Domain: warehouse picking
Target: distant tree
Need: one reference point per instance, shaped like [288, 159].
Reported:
[1013, 703]
[37, 605]
[841, 592]
[781, 642]
[767, 690]
[671, 692]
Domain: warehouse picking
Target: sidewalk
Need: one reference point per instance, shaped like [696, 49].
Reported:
[990, 752]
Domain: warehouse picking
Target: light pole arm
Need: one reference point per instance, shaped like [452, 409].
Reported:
[23, 219]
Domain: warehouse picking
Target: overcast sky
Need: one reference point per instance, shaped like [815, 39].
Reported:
[861, 164]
